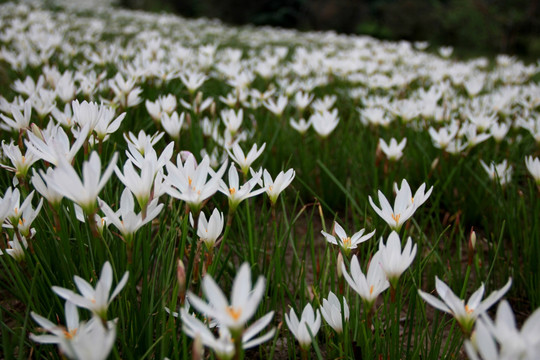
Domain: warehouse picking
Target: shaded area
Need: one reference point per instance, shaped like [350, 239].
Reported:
[474, 27]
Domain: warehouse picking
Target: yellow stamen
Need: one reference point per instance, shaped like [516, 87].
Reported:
[70, 334]
[271, 188]
[23, 159]
[235, 314]
[371, 290]
[396, 217]
[468, 309]
[190, 180]
[347, 242]
[232, 191]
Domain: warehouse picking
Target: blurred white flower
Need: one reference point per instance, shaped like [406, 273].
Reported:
[465, 314]
[333, 312]
[95, 299]
[299, 327]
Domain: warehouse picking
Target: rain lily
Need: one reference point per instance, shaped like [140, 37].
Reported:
[209, 230]
[347, 243]
[332, 313]
[299, 327]
[533, 165]
[368, 287]
[465, 314]
[404, 205]
[78, 340]
[237, 193]
[244, 300]
[245, 161]
[125, 219]
[95, 299]
[223, 346]
[65, 180]
[393, 261]
[189, 182]
[502, 173]
[514, 343]
[274, 187]
[393, 150]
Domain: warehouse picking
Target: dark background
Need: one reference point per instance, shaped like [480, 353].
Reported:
[473, 27]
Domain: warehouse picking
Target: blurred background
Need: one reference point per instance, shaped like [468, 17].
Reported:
[473, 27]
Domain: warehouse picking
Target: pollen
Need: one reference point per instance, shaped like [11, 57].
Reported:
[396, 217]
[232, 191]
[70, 334]
[235, 314]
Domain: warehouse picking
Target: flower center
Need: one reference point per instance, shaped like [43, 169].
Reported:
[347, 242]
[232, 190]
[70, 334]
[396, 217]
[468, 309]
[234, 313]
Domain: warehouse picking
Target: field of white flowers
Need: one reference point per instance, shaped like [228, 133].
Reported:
[182, 189]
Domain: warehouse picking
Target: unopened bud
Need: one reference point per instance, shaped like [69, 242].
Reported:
[435, 163]
[339, 262]
[472, 240]
[198, 98]
[37, 131]
[198, 349]
[181, 276]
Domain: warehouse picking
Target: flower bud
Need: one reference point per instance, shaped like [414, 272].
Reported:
[338, 264]
[181, 276]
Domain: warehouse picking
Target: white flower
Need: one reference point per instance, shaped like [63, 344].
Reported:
[224, 346]
[514, 343]
[404, 205]
[95, 299]
[48, 192]
[125, 219]
[78, 340]
[189, 182]
[299, 327]
[347, 243]
[245, 161]
[209, 230]
[65, 180]
[502, 173]
[278, 107]
[324, 122]
[274, 187]
[368, 287]
[56, 145]
[16, 248]
[20, 164]
[393, 151]
[533, 165]
[243, 304]
[172, 124]
[301, 125]
[20, 120]
[232, 120]
[393, 261]
[465, 314]
[332, 313]
[237, 193]
[140, 185]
